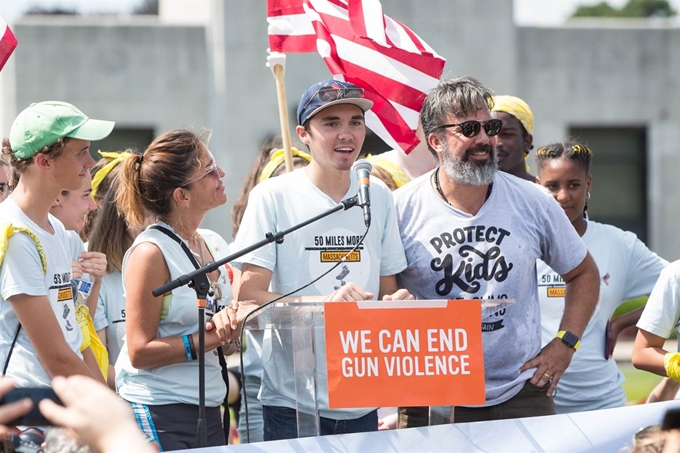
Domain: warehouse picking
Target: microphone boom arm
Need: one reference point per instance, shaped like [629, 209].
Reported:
[277, 237]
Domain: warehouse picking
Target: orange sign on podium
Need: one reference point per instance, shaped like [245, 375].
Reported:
[404, 353]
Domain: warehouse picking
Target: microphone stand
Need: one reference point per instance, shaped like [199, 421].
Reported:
[198, 280]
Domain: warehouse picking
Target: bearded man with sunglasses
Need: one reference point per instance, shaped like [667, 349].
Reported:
[473, 232]
[331, 123]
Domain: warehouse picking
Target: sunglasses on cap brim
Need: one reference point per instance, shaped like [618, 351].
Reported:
[330, 94]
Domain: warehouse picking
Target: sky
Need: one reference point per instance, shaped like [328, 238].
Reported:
[527, 12]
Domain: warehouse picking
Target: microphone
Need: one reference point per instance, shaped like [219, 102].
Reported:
[362, 168]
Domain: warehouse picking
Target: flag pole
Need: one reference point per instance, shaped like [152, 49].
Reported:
[277, 63]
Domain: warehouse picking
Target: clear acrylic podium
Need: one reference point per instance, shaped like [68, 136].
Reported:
[300, 328]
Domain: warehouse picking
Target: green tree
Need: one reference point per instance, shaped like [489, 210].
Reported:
[602, 9]
[634, 8]
[648, 8]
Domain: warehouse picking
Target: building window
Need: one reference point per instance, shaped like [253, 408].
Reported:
[619, 169]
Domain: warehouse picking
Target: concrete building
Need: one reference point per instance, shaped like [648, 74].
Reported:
[202, 64]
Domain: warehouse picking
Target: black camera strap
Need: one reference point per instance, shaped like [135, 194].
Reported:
[11, 348]
[226, 422]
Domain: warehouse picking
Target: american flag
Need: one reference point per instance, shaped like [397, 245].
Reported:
[8, 42]
[361, 45]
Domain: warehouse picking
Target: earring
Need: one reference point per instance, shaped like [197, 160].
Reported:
[588, 196]
[188, 203]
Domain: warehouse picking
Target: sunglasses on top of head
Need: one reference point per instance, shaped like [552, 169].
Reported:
[471, 128]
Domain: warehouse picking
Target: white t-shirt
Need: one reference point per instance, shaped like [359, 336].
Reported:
[662, 313]
[76, 245]
[21, 272]
[178, 382]
[491, 255]
[282, 202]
[627, 269]
[110, 313]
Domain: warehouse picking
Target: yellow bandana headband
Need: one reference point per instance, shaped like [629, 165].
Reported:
[517, 108]
[106, 169]
[395, 171]
[277, 158]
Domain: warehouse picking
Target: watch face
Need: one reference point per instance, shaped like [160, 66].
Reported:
[570, 339]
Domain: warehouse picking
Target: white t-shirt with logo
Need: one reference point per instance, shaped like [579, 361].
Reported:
[21, 272]
[282, 202]
[491, 255]
[110, 313]
[627, 269]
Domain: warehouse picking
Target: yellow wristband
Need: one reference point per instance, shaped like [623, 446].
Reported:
[671, 362]
[569, 339]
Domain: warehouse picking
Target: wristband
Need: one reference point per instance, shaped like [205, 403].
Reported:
[187, 348]
[569, 338]
[192, 347]
[671, 362]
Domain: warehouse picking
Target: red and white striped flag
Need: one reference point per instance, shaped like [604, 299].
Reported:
[363, 46]
[8, 42]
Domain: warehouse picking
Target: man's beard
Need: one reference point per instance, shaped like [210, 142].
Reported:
[463, 171]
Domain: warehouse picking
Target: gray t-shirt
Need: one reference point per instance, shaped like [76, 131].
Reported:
[492, 255]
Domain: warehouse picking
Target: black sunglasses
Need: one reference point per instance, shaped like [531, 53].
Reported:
[5, 187]
[472, 128]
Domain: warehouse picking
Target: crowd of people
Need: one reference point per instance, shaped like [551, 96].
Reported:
[130, 223]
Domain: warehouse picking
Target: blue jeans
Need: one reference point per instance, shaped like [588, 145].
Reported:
[281, 423]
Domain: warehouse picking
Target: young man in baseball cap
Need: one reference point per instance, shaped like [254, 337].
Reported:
[49, 148]
[331, 123]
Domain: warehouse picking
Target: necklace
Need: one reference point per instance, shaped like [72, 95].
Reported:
[435, 179]
[194, 242]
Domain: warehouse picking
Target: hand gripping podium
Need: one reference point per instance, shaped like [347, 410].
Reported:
[343, 359]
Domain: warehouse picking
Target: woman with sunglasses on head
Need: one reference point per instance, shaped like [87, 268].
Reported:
[627, 269]
[178, 181]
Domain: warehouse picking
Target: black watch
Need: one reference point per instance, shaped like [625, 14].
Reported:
[569, 338]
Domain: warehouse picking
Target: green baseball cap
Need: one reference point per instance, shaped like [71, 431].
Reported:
[43, 123]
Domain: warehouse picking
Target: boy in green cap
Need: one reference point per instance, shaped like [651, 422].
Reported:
[49, 148]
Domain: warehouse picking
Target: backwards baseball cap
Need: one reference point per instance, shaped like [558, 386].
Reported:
[327, 93]
[44, 123]
[517, 108]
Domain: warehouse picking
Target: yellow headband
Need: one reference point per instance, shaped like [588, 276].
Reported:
[517, 108]
[277, 159]
[106, 169]
[395, 171]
